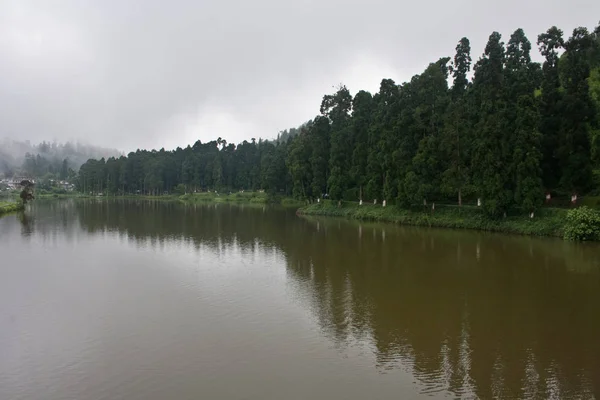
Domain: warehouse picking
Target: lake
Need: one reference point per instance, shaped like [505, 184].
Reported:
[150, 300]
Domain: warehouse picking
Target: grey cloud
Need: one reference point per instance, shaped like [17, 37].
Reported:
[154, 73]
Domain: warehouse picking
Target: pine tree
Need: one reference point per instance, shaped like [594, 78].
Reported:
[456, 139]
[432, 97]
[574, 150]
[337, 108]
[319, 137]
[521, 122]
[550, 106]
[382, 141]
[361, 121]
[492, 149]
[527, 156]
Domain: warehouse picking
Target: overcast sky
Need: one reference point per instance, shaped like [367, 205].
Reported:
[155, 73]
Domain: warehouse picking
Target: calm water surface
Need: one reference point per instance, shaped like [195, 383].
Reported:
[146, 300]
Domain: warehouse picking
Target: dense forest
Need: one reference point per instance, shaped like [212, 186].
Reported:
[514, 132]
[52, 159]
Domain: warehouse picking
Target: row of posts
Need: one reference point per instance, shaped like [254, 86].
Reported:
[548, 198]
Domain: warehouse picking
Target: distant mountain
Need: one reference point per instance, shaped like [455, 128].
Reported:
[24, 159]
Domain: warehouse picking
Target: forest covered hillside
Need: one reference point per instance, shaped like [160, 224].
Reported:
[21, 158]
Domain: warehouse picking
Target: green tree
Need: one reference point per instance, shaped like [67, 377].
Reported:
[319, 137]
[527, 156]
[383, 143]
[298, 164]
[522, 77]
[64, 169]
[361, 120]
[574, 150]
[337, 108]
[433, 99]
[550, 106]
[491, 161]
[457, 136]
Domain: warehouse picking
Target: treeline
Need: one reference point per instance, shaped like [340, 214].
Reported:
[38, 166]
[514, 132]
[215, 165]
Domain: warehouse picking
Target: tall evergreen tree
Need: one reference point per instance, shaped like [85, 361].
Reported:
[361, 121]
[574, 150]
[433, 99]
[492, 148]
[456, 140]
[521, 121]
[298, 164]
[382, 170]
[550, 106]
[527, 156]
[337, 108]
[319, 136]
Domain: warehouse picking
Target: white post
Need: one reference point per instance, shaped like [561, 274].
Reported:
[384, 203]
[360, 203]
[374, 201]
[479, 202]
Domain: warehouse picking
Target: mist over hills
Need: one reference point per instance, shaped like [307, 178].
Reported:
[21, 158]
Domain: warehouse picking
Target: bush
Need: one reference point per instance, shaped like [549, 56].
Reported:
[351, 195]
[179, 189]
[590, 201]
[583, 223]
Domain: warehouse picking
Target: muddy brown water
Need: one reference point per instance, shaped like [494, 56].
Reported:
[149, 300]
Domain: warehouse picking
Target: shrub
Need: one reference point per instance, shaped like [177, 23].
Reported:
[590, 201]
[583, 223]
[179, 189]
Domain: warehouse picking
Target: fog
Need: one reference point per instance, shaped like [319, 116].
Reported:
[13, 153]
[151, 74]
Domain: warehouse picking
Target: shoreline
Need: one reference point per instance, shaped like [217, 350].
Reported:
[256, 198]
[8, 207]
[546, 223]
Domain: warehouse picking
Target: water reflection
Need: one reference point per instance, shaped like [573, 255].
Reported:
[472, 314]
[514, 318]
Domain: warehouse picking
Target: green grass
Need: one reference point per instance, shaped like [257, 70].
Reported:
[202, 197]
[239, 197]
[69, 195]
[8, 207]
[546, 222]
[290, 202]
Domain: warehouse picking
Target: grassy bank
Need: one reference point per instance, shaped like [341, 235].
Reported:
[7, 207]
[547, 222]
[211, 197]
[203, 197]
[239, 197]
[70, 195]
